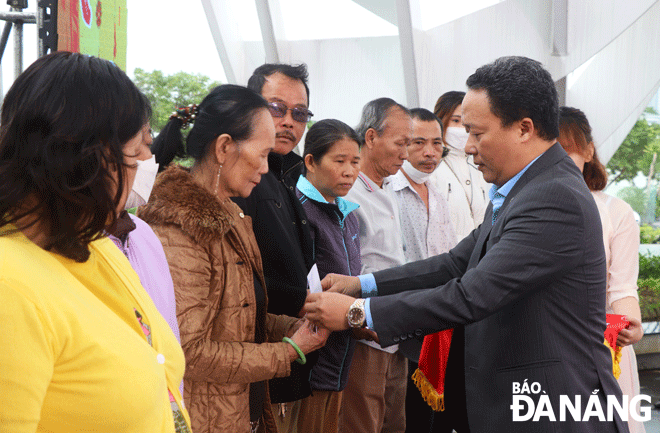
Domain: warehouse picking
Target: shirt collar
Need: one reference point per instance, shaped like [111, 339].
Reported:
[306, 187]
[123, 226]
[505, 189]
[399, 181]
[370, 185]
[456, 153]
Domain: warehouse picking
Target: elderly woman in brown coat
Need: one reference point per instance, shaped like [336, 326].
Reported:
[232, 345]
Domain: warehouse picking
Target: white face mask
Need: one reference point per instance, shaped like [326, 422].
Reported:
[143, 184]
[456, 137]
[416, 175]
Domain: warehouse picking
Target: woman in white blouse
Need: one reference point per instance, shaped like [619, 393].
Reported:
[456, 177]
[621, 239]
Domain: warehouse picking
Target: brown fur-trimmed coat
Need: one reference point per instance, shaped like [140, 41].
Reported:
[213, 256]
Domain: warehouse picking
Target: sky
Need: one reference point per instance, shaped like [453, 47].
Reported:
[165, 35]
[174, 35]
[162, 34]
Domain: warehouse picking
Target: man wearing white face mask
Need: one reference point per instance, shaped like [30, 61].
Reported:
[139, 243]
[457, 177]
[426, 230]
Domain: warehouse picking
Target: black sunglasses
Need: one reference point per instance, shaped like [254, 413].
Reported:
[278, 109]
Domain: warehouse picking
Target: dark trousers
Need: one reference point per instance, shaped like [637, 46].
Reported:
[419, 415]
[420, 418]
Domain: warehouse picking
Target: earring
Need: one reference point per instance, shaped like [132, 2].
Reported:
[217, 180]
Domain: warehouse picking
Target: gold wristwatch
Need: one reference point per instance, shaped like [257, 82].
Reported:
[356, 315]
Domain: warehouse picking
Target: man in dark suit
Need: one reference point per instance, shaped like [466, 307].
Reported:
[525, 291]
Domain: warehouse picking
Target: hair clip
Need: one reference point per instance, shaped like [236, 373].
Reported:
[187, 115]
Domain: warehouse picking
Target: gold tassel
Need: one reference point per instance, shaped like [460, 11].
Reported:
[429, 394]
[616, 359]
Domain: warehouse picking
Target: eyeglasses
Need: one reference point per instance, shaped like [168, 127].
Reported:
[278, 109]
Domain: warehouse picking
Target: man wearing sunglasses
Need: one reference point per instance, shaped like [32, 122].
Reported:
[279, 221]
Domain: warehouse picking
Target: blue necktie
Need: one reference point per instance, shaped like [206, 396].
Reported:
[496, 210]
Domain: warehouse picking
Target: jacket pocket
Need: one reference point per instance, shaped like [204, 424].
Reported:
[532, 364]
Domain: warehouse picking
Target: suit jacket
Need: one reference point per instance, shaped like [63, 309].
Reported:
[530, 290]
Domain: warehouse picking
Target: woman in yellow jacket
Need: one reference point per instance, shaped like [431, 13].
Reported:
[82, 346]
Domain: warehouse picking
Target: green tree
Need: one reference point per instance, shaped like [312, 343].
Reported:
[638, 199]
[635, 197]
[166, 92]
[636, 152]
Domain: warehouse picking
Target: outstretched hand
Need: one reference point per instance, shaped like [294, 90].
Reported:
[342, 284]
[309, 337]
[630, 335]
[295, 327]
[328, 309]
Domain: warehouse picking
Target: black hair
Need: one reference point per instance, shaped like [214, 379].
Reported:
[297, 72]
[425, 116]
[227, 109]
[374, 114]
[65, 122]
[324, 134]
[519, 87]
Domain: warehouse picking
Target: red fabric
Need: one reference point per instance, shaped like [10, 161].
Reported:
[435, 351]
[433, 358]
[615, 323]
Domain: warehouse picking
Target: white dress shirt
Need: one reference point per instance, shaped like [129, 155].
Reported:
[381, 245]
[426, 232]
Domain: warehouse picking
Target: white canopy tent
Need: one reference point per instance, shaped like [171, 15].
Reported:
[603, 54]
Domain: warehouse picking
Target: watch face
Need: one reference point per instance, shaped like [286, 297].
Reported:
[356, 316]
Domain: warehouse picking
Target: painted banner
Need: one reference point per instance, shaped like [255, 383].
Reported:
[93, 27]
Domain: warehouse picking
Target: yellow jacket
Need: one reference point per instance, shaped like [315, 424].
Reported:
[73, 356]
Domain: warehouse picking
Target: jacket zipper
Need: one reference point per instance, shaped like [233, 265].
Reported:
[348, 344]
[343, 241]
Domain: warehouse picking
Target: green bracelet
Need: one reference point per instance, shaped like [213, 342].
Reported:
[301, 356]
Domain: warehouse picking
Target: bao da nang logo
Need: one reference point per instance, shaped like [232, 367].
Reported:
[574, 407]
